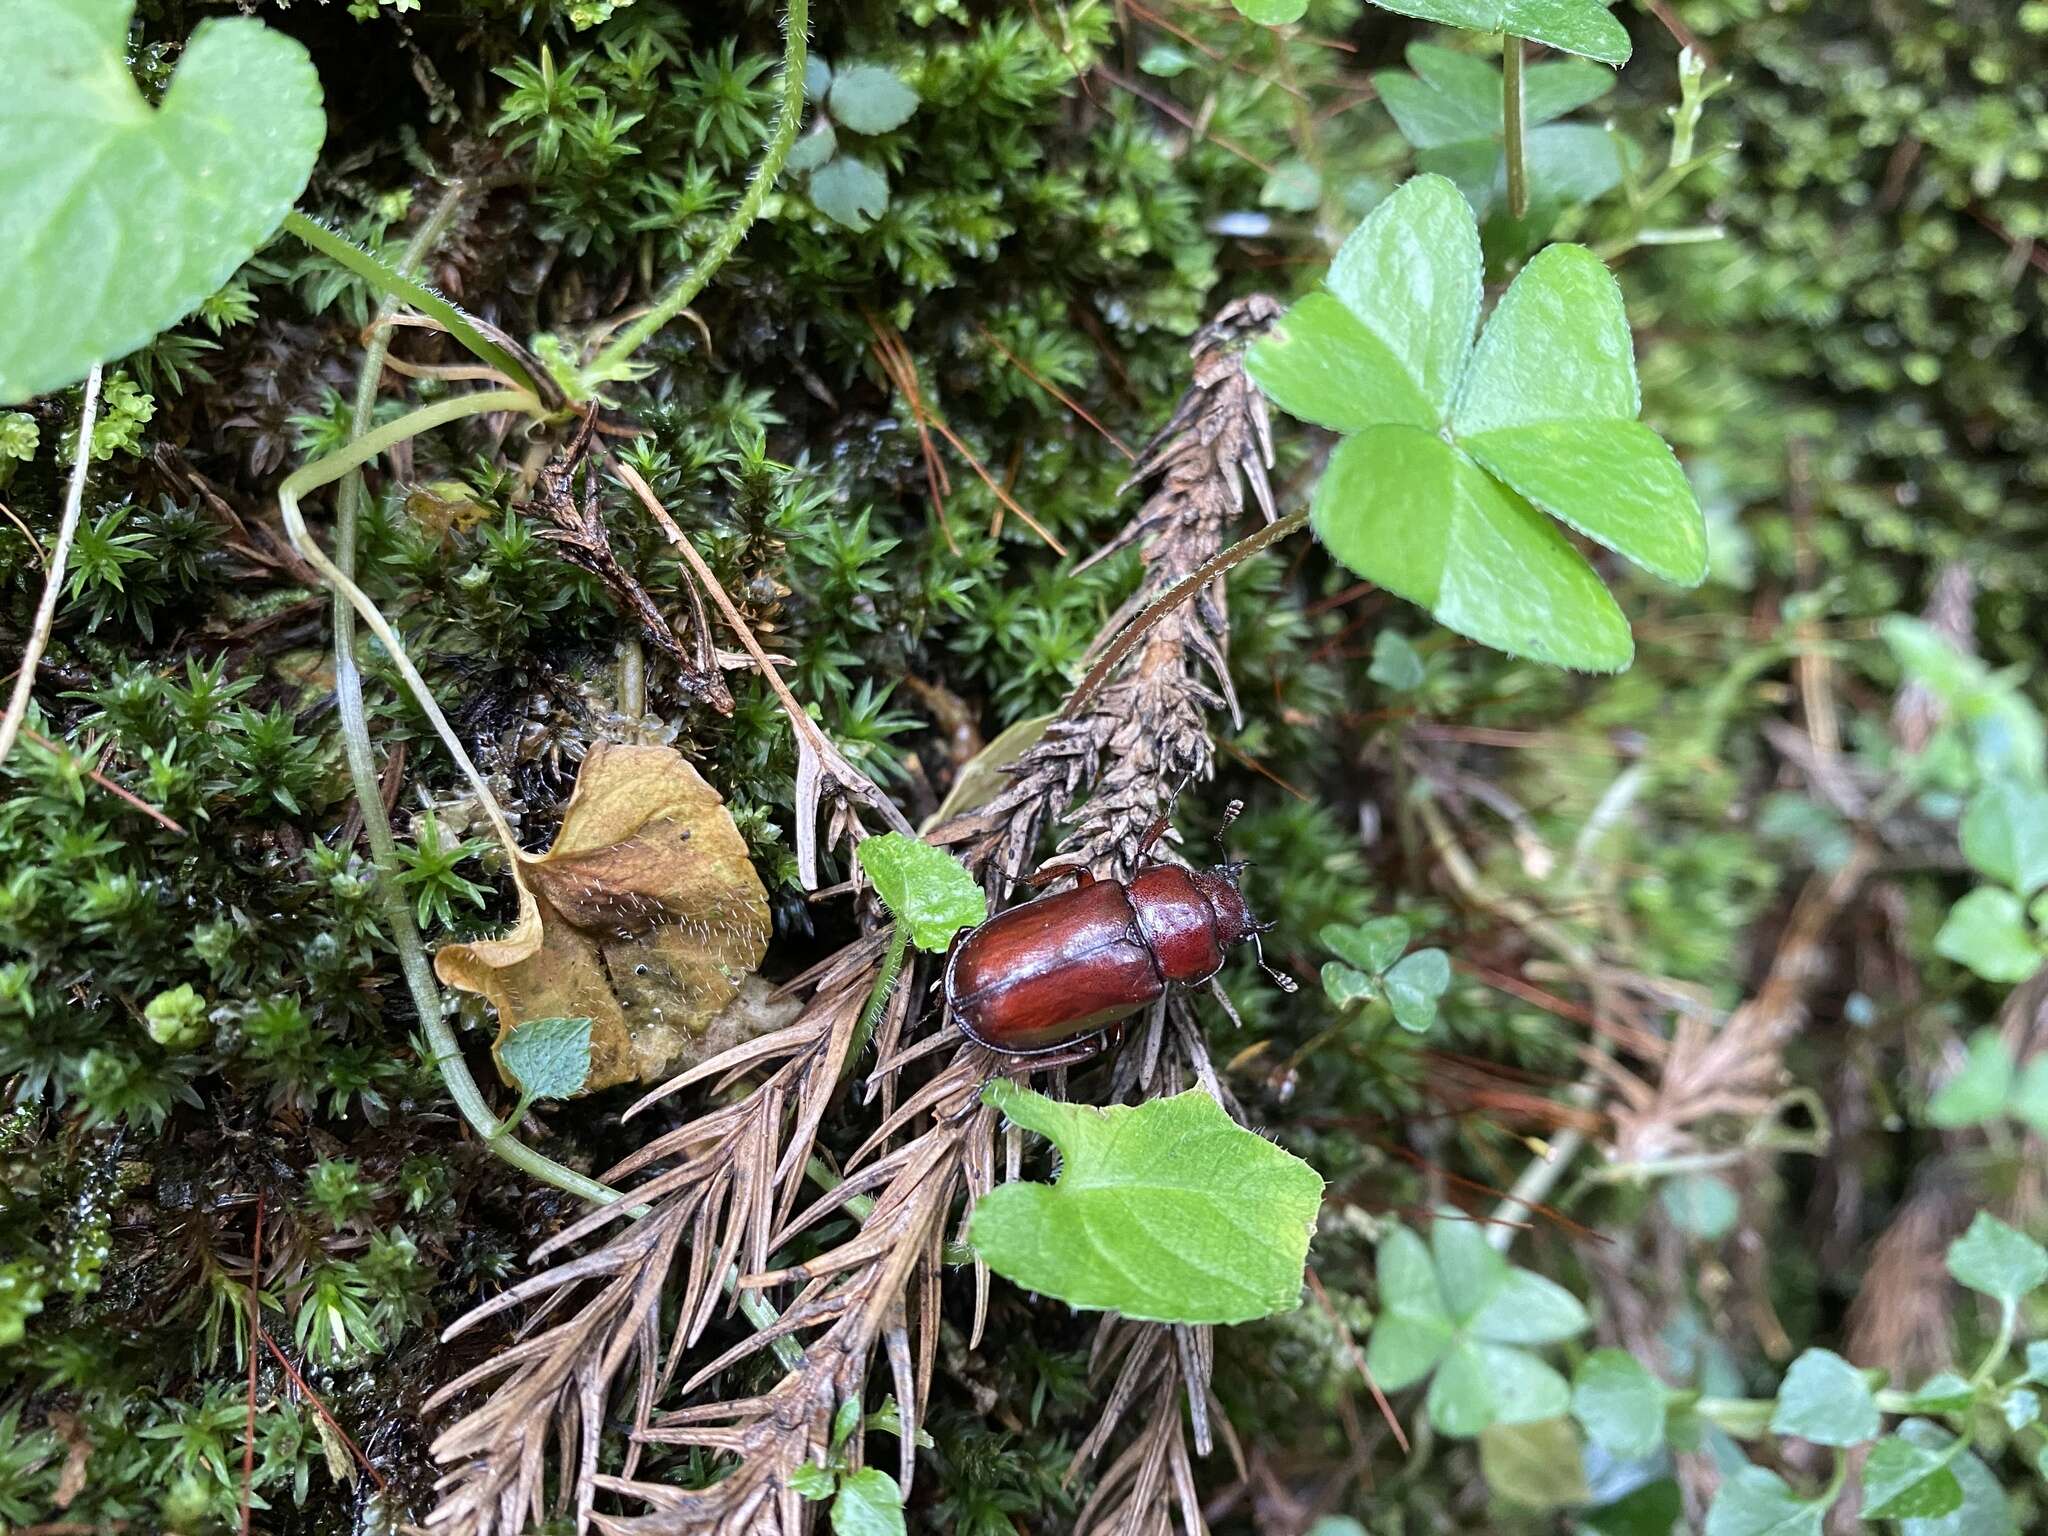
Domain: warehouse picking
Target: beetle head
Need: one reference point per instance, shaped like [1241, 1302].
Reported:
[1221, 885]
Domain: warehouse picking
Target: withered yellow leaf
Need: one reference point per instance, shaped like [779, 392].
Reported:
[645, 917]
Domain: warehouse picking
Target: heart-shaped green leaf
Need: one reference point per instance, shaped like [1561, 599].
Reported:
[119, 218]
[849, 191]
[547, 1058]
[1170, 1211]
[2005, 834]
[1405, 509]
[1571, 26]
[1825, 1399]
[1413, 986]
[1549, 405]
[1413, 274]
[1758, 1502]
[868, 98]
[1371, 946]
[1987, 931]
[1998, 1260]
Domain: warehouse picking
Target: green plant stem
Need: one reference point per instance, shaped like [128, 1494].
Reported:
[795, 25]
[1513, 117]
[878, 994]
[398, 282]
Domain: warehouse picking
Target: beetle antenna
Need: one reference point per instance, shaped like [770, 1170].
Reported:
[1281, 979]
[1230, 813]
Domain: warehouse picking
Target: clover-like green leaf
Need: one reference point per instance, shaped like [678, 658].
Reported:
[1619, 1403]
[1993, 1258]
[1170, 1211]
[119, 218]
[1414, 984]
[1450, 109]
[1345, 986]
[1460, 1309]
[924, 888]
[1571, 26]
[1405, 509]
[869, 98]
[1372, 946]
[547, 1058]
[1454, 448]
[1825, 1399]
[2005, 834]
[1987, 931]
[849, 191]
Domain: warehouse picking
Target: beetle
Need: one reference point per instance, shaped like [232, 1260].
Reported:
[1055, 971]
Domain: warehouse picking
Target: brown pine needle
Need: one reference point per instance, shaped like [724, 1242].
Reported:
[321, 1408]
[1056, 392]
[894, 357]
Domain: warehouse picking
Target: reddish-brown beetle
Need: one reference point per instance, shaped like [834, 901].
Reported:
[1052, 972]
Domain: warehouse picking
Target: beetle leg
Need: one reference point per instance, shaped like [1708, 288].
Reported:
[1051, 874]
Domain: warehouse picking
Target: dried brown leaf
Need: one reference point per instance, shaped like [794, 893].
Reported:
[645, 916]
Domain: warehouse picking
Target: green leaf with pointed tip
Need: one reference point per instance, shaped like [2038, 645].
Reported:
[1345, 986]
[1902, 1481]
[1407, 510]
[1413, 986]
[1756, 1502]
[1322, 364]
[1620, 1404]
[1824, 1399]
[1412, 273]
[1583, 27]
[868, 1504]
[1271, 13]
[1372, 946]
[1549, 405]
[119, 218]
[923, 887]
[1983, 1511]
[1413, 1329]
[1480, 1384]
[1980, 1087]
[1396, 664]
[1993, 1258]
[1987, 931]
[1943, 1393]
[870, 99]
[2005, 834]
[547, 1058]
[849, 191]
[1170, 1211]
[2020, 1408]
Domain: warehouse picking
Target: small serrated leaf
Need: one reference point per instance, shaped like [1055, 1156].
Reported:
[547, 1058]
[868, 98]
[923, 887]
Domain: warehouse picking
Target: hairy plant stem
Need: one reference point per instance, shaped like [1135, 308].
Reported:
[795, 25]
[350, 502]
[1180, 592]
[398, 282]
[1514, 120]
[53, 586]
